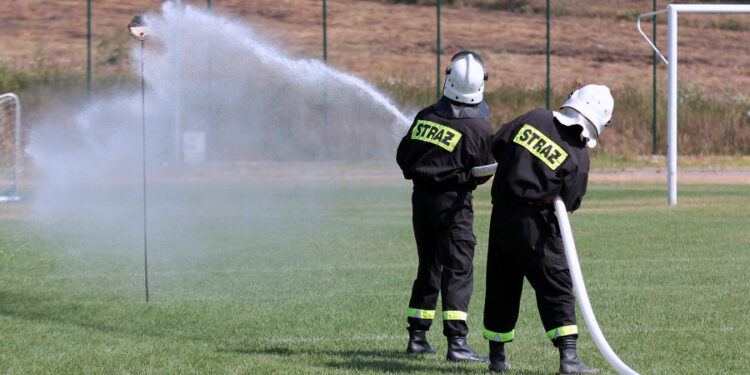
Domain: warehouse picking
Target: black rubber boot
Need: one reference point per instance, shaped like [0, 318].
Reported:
[459, 351]
[569, 361]
[497, 357]
[418, 343]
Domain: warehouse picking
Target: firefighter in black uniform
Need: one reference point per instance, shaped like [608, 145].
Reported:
[446, 153]
[540, 155]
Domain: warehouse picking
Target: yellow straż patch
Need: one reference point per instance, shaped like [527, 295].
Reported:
[436, 134]
[541, 146]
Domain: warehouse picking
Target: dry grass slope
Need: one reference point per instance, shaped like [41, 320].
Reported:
[392, 43]
[591, 39]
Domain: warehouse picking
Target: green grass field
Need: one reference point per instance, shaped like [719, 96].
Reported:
[314, 277]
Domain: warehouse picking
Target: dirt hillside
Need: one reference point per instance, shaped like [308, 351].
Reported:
[591, 40]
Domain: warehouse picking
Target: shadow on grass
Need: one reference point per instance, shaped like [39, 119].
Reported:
[37, 308]
[387, 361]
[126, 318]
[151, 323]
[358, 359]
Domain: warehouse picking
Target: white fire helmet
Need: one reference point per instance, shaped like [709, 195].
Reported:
[465, 78]
[595, 104]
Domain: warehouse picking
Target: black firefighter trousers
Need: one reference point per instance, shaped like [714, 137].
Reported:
[525, 241]
[443, 228]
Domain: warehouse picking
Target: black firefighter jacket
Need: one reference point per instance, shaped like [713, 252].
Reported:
[444, 142]
[539, 158]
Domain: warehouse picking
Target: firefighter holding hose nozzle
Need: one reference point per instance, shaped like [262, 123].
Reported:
[540, 155]
[446, 153]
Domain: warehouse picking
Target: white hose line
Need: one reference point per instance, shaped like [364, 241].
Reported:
[484, 170]
[581, 294]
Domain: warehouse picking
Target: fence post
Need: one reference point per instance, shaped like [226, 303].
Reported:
[438, 52]
[325, 33]
[88, 49]
[549, 90]
[653, 120]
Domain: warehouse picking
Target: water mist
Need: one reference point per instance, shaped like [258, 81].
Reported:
[274, 131]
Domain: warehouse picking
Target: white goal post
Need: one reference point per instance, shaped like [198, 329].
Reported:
[673, 10]
[10, 146]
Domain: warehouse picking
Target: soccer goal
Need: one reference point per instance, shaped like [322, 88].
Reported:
[673, 10]
[10, 145]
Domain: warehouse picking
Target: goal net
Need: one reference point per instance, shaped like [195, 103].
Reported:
[10, 141]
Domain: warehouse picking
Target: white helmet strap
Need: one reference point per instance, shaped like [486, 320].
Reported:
[570, 117]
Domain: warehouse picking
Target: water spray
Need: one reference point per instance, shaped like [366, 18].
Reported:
[138, 31]
[581, 295]
[258, 107]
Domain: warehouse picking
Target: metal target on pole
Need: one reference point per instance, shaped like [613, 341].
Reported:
[139, 31]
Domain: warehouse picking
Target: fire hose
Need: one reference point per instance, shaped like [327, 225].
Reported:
[581, 295]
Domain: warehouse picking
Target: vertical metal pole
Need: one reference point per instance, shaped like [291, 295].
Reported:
[672, 110]
[17, 162]
[325, 87]
[88, 49]
[653, 120]
[178, 90]
[143, 144]
[209, 122]
[549, 90]
[437, 52]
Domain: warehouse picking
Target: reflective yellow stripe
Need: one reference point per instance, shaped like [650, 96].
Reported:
[454, 315]
[421, 314]
[562, 331]
[541, 146]
[499, 336]
[436, 134]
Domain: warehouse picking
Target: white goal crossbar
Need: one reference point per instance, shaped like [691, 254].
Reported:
[673, 10]
[11, 192]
